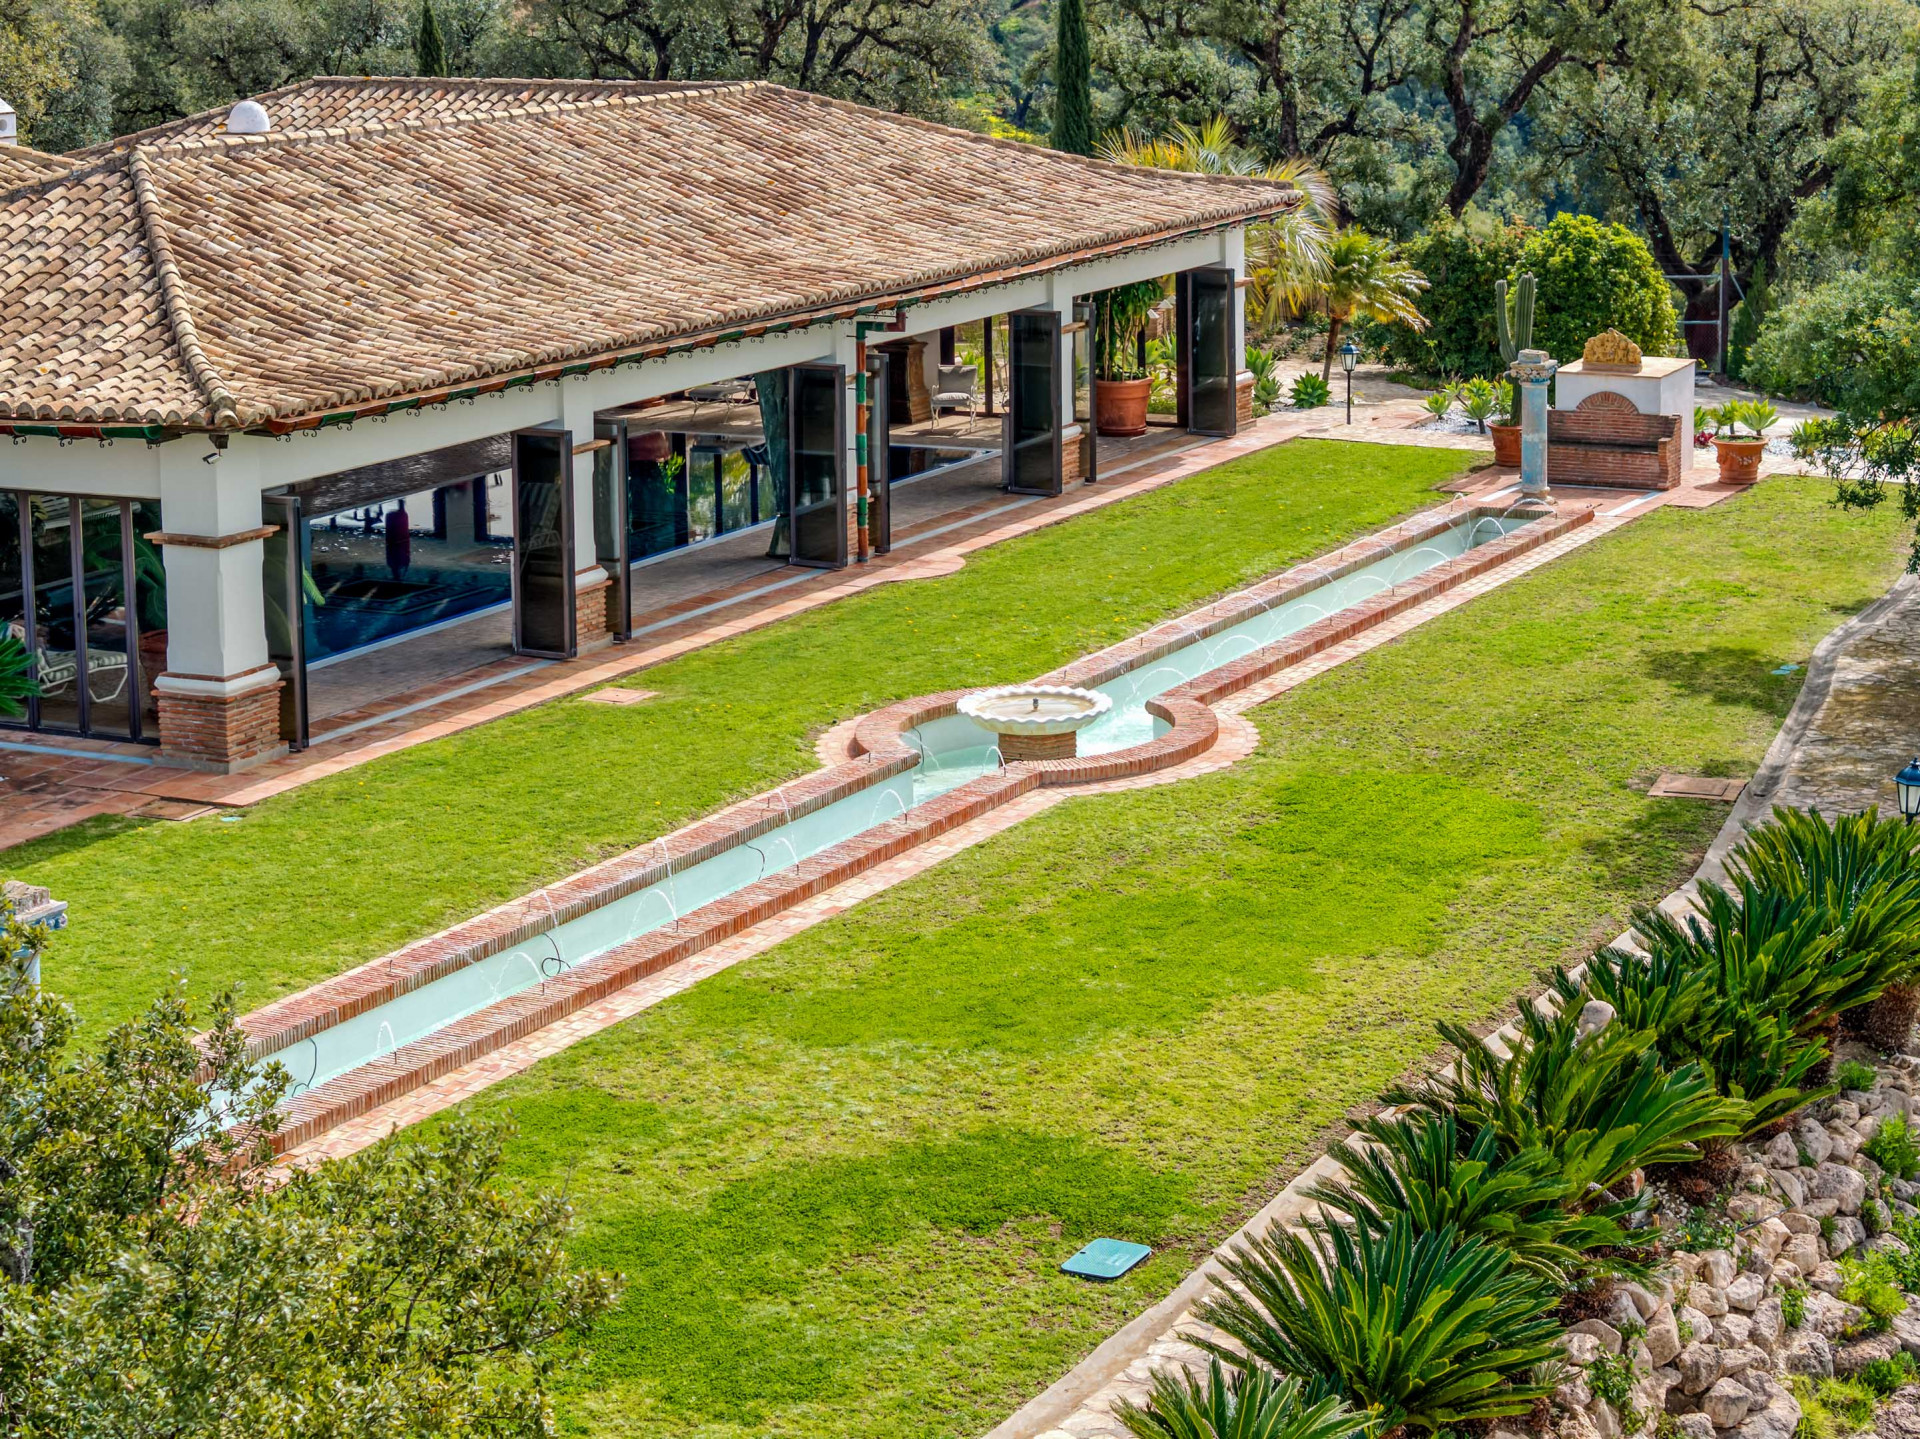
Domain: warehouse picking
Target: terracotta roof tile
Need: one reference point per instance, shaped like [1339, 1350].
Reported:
[21, 166]
[345, 101]
[232, 280]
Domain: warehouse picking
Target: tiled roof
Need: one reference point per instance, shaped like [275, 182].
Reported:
[241, 280]
[331, 102]
[21, 166]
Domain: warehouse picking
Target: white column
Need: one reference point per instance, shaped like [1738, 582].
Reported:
[576, 415]
[216, 608]
[846, 354]
[1060, 299]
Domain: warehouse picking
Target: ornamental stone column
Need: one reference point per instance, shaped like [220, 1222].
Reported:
[1531, 371]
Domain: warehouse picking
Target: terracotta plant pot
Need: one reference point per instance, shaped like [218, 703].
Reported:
[153, 657]
[1506, 444]
[1739, 460]
[1120, 406]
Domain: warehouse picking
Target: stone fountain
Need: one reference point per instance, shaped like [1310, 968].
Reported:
[1036, 721]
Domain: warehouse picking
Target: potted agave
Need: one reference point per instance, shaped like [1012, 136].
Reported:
[1740, 454]
[1515, 333]
[1121, 387]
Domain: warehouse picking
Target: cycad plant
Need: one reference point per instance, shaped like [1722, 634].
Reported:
[1862, 868]
[1603, 1106]
[1250, 1403]
[1425, 1167]
[1421, 1329]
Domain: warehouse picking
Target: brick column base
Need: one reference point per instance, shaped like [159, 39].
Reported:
[1071, 470]
[221, 733]
[1243, 399]
[1015, 747]
[590, 614]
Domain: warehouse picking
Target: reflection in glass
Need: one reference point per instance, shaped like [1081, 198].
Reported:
[108, 655]
[50, 541]
[399, 565]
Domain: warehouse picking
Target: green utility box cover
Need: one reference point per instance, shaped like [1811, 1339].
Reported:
[1106, 1259]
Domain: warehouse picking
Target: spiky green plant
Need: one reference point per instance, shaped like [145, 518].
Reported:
[17, 683]
[1603, 1106]
[1478, 401]
[1765, 960]
[1423, 1166]
[1863, 869]
[1419, 1329]
[1662, 992]
[1251, 1403]
[1515, 333]
[1439, 402]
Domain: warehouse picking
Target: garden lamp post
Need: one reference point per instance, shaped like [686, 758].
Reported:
[1349, 357]
[1906, 786]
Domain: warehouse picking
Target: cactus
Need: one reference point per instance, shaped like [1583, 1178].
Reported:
[1515, 334]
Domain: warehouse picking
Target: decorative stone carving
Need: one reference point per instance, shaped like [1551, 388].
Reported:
[1611, 351]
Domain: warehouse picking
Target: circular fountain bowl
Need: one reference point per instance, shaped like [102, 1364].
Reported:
[1035, 710]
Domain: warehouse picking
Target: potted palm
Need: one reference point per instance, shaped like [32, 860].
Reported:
[1122, 387]
[1740, 454]
[1515, 332]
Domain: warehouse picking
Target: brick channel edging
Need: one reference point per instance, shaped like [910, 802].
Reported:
[881, 751]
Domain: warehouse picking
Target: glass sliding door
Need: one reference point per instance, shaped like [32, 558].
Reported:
[79, 586]
[543, 618]
[286, 573]
[610, 522]
[1030, 463]
[58, 637]
[818, 472]
[109, 659]
[16, 585]
[879, 451]
[1208, 365]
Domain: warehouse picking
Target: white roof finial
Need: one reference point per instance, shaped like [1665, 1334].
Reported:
[9, 125]
[249, 117]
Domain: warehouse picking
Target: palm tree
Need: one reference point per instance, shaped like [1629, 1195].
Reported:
[1364, 278]
[1286, 256]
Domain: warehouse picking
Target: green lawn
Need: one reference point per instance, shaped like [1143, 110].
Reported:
[840, 1177]
[348, 868]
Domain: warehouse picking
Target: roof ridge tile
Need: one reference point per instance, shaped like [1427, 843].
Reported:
[221, 407]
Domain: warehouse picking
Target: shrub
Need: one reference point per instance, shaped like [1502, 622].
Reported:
[1610, 1378]
[1793, 1305]
[1594, 277]
[1439, 402]
[1892, 1148]
[1832, 1408]
[1241, 1404]
[1461, 265]
[1848, 343]
[1883, 1376]
[1856, 1076]
[1309, 392]
[1421, 1166]
[1420, 1329]
[1603, 1107]
[1873, 1283]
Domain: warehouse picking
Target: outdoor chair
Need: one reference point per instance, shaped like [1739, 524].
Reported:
[56, 669]
[958, 385]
